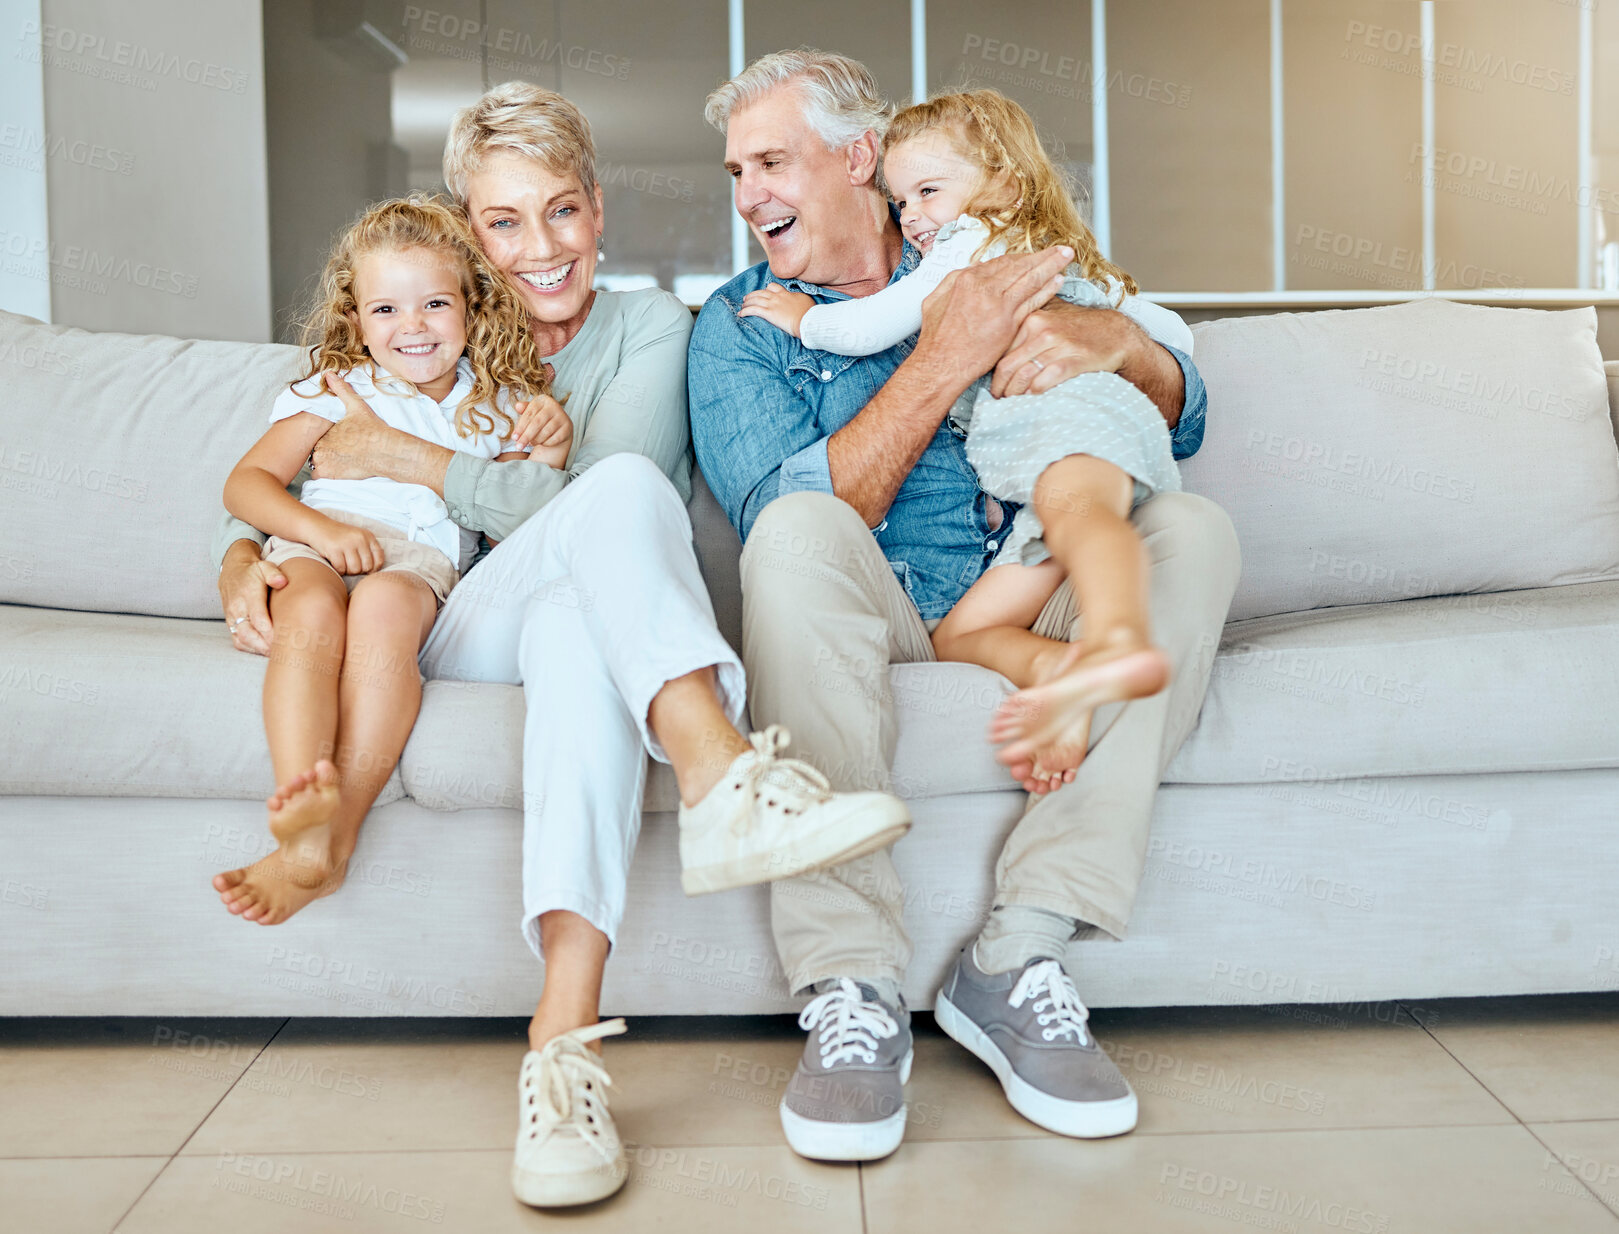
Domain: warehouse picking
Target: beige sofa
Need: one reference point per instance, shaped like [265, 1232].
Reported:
[1402, 784]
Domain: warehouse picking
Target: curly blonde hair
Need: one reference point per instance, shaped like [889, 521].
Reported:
[999, 137]
[500, 343]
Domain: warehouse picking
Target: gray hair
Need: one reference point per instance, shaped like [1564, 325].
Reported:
[841, 97]
[525, 119]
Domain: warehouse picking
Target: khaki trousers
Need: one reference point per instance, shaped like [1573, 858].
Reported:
[823, 617]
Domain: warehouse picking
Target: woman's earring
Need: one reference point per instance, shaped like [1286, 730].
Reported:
[600, 246]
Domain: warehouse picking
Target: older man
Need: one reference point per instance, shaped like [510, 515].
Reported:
[864, 525]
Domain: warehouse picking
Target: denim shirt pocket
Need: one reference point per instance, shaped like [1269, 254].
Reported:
[806, 367]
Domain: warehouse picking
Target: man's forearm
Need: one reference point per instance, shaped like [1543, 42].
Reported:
[870, 456]
[1155, 372]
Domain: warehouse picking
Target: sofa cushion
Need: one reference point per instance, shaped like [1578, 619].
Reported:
[113, 457]
[1428, 448]
[466, 751]
[99, 705]
[1515, 681]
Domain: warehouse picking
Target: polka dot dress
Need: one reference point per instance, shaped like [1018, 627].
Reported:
[1010, 441]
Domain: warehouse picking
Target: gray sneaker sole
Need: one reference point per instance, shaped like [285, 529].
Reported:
[843, 840]
[1085, 1120]
[823, 1141]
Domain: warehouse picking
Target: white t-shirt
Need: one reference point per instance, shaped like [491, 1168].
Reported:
[414, 509]
[869, 324]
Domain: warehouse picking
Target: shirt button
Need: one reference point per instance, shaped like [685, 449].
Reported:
[826, 374]
[992, 546]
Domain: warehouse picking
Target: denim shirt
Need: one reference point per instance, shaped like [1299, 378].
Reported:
[762, 408]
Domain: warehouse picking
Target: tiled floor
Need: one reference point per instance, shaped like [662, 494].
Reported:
[1474, 1115]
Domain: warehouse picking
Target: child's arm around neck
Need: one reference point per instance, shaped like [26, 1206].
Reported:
[886, 318]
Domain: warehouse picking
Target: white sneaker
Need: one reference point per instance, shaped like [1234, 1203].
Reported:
[773, 817]
[568, 1150]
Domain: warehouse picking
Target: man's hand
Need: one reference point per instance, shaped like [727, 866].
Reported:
[1060, 342]
[968, 322]
[974, 315]
[360, 445]
[1064, 340]
[245, 583]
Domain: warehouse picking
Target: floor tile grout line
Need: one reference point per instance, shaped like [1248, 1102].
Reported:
[174, 1156]
[860, 1180]
[974, 1139]
[1545, 1147]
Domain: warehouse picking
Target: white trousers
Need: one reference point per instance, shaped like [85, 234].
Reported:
[591, 606]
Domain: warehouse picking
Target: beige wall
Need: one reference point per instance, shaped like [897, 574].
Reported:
[168, 231]
[1189, 126]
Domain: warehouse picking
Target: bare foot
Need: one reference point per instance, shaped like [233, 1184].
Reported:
[303, 867]
[1046, 727]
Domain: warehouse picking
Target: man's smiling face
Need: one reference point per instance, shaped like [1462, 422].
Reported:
[799, 198]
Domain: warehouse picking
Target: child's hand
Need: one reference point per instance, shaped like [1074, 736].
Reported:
[545, 425]
[780, 307]
[351, 550]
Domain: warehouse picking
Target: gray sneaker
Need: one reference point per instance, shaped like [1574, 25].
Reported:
[846, 1101]
[1029, 1027]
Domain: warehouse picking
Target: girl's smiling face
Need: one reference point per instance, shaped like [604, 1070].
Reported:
[931, 179]
[412, 315]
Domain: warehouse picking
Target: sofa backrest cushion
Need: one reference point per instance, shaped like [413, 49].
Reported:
[1428, 448]
[113, 455]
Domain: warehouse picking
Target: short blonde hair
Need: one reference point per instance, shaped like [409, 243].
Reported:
[526, 119]
[841, 98]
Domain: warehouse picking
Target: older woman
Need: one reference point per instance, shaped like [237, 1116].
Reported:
[592, 600]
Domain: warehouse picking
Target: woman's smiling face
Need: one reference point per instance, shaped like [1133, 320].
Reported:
[540, 227]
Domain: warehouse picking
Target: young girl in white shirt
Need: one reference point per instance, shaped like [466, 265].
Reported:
[972, 181]
[438, 344]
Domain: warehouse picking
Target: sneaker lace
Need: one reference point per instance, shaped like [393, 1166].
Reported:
[561, 1070]
[1056, 1003]
[777, 781]
[850, 1024]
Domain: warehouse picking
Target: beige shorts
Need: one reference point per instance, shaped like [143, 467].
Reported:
[399, 553]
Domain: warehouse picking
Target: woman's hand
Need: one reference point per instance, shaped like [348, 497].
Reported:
[544, 424]
[781, 308]
[245, 583]
[361, 445]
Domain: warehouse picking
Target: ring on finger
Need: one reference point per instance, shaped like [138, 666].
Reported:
[1039, 365]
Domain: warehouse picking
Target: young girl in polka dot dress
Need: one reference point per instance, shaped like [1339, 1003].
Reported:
[972, 181]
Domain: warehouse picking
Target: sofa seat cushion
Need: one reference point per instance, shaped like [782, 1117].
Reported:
[1512, 681]
[108, 705]
[466, 751]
